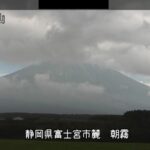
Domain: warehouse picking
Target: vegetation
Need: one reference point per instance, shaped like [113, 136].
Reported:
[36, 145]
[138, 123]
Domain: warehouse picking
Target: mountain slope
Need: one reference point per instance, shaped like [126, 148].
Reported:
[63, 88]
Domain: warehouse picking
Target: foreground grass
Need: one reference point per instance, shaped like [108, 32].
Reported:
[37, 145]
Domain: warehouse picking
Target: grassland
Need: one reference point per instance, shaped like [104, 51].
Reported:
[37, 145]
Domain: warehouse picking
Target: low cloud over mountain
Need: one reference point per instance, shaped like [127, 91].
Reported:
[63, 88]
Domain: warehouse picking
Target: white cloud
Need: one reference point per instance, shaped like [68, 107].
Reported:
[145, 83]
[42, 77]
[2, 74]
[44, 82]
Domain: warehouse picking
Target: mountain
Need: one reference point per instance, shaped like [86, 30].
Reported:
[71, 89]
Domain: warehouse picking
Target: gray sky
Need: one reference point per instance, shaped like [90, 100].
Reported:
[118, 39]
[129, 4]
[18, 4]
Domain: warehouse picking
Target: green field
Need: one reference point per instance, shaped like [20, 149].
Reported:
[36, 145]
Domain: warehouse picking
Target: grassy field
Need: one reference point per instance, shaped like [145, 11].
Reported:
[36, 145]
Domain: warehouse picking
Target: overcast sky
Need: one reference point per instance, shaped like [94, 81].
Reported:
[117, 39]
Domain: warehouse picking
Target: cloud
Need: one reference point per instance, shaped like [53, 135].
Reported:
[122, 56]
[145, 83]
[45, 95]
[117, 39]
[8, 84]
[2, 74]
[44, 82]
